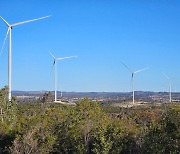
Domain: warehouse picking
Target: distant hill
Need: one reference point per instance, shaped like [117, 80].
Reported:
[146, 96]
[95, 94]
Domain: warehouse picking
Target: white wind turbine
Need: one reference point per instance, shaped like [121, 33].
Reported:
[170, 89]
[132, 77]
[55, 72]
[9, 31]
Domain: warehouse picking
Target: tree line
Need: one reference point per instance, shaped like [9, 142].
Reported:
[86, 128]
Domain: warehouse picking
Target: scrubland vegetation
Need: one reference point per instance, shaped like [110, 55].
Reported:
[87, 128]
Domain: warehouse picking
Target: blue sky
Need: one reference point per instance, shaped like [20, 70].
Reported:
[102, 33]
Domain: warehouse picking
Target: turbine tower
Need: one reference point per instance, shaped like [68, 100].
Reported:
[170, 89]
[9, 31]
[55, 72]
[132, 78]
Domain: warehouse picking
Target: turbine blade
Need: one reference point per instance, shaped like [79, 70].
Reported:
[166, 76]
[27, 21]
[4, 41]
[126, 67]
[52, 54]
[66, 57]
[5, 21]
[140, 70]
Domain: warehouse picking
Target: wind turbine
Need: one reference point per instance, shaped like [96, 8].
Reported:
[170, 91]
[132, 77]
[9, 31]
[55, 72]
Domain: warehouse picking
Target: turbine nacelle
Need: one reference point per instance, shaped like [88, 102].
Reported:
[54, 62]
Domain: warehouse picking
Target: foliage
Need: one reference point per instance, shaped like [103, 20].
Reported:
[165, 136]
[47, 97]
[87, 128]
[7, 120]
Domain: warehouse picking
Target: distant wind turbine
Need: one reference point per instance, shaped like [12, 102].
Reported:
[55, 72]
[170, 89]
[132, 77]
[9, 31]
